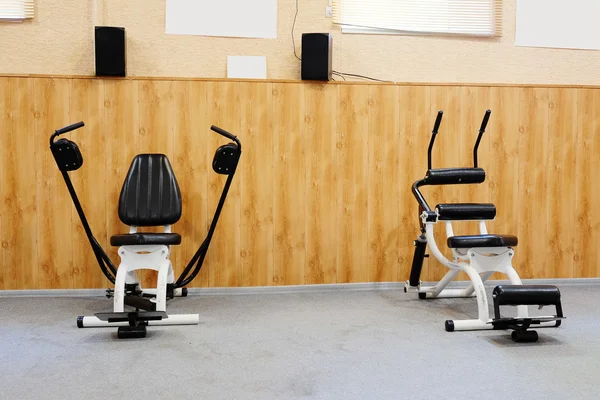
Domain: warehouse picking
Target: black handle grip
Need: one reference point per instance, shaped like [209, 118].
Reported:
[228, 135]
[486, 118]
[438, 121]
[69, 128]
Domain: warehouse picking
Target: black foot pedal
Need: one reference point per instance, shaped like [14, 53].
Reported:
[517, 295]
[131, 332]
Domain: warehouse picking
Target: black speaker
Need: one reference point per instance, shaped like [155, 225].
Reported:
[316, 56]
[110, 51]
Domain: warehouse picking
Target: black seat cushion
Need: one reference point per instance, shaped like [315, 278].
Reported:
[133, 239]
[465, 242]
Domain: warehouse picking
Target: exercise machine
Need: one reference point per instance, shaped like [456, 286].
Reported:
[479, 256]
[150, 197]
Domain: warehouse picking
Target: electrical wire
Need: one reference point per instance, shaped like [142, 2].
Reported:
[293, 26]
[338, 74]
[359, 76]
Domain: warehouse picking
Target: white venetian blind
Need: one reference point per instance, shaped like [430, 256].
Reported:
[454, 17]
[16, 10]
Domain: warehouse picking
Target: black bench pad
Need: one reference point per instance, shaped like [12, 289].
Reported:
[466, 242]
[134, 239]
[466, 211]
[526, 295]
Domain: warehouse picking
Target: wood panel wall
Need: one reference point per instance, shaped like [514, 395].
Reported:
[323, 190]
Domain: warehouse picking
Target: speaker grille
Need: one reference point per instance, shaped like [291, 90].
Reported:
[110, 51]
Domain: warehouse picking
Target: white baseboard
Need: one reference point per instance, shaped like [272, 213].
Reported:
[370, 286]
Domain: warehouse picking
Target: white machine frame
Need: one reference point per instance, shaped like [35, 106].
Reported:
[479, 264]
[138, 257]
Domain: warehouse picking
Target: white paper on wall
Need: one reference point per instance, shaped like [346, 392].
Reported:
[571, 24]
[227, 18]
[248, 67]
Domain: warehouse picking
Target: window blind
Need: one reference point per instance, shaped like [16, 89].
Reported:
[16, 10]
[455, 17]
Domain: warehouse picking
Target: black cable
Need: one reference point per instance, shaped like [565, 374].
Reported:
[293, 25]
[359, 76]
[338, 74]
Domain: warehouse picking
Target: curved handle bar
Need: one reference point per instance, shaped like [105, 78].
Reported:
[484, 123]
[486, 118]
[438, 121]
[226, 134]
[66, 129]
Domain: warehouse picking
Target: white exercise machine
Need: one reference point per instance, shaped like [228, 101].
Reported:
[479, 256]
[150, 197]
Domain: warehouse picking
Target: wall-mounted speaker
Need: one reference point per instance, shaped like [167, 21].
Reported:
[110, 51]
[316, 56]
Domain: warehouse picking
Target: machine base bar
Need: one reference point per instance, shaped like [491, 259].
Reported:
[467, 325]
[446, 293]
[174, 319]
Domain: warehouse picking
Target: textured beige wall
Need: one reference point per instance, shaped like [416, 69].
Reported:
[60, 41]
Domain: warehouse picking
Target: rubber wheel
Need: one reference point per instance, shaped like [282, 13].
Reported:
[131, 332]
[422, 296]
[449, 325]
[524, 336]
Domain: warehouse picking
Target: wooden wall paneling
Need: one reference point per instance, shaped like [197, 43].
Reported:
[345, 214]
[383, 185]
[290, 202]
[446, 154]
[473, 102]
[4, 178]
[560, 169]
[533, 183]
[18, 177]
[226, 109]
[55, 237]
[192, 165]
[414, 131]
[121, 128]
[352, 166]
[592, 267]
[264, 181]
[156, 108]
[320, 129]
[502, 164]
[585, 258]
[87, 105]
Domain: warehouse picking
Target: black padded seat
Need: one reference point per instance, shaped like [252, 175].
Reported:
[466, 242]
[133, 239]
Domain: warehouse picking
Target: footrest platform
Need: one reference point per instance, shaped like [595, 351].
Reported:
[512, 322]
[128, 316]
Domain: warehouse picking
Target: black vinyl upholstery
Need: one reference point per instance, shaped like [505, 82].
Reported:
[454, 176]
[134, 239]
[150, 195]
[466, 211]
[526, 295]
[467, 242]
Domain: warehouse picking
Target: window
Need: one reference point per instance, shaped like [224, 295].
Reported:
[16, 10]
[442, 17]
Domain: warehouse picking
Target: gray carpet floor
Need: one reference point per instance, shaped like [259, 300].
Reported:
[380, 344]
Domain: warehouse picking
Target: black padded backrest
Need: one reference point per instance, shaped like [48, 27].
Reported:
[150, 195]
[466, 211]
[454, 176]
